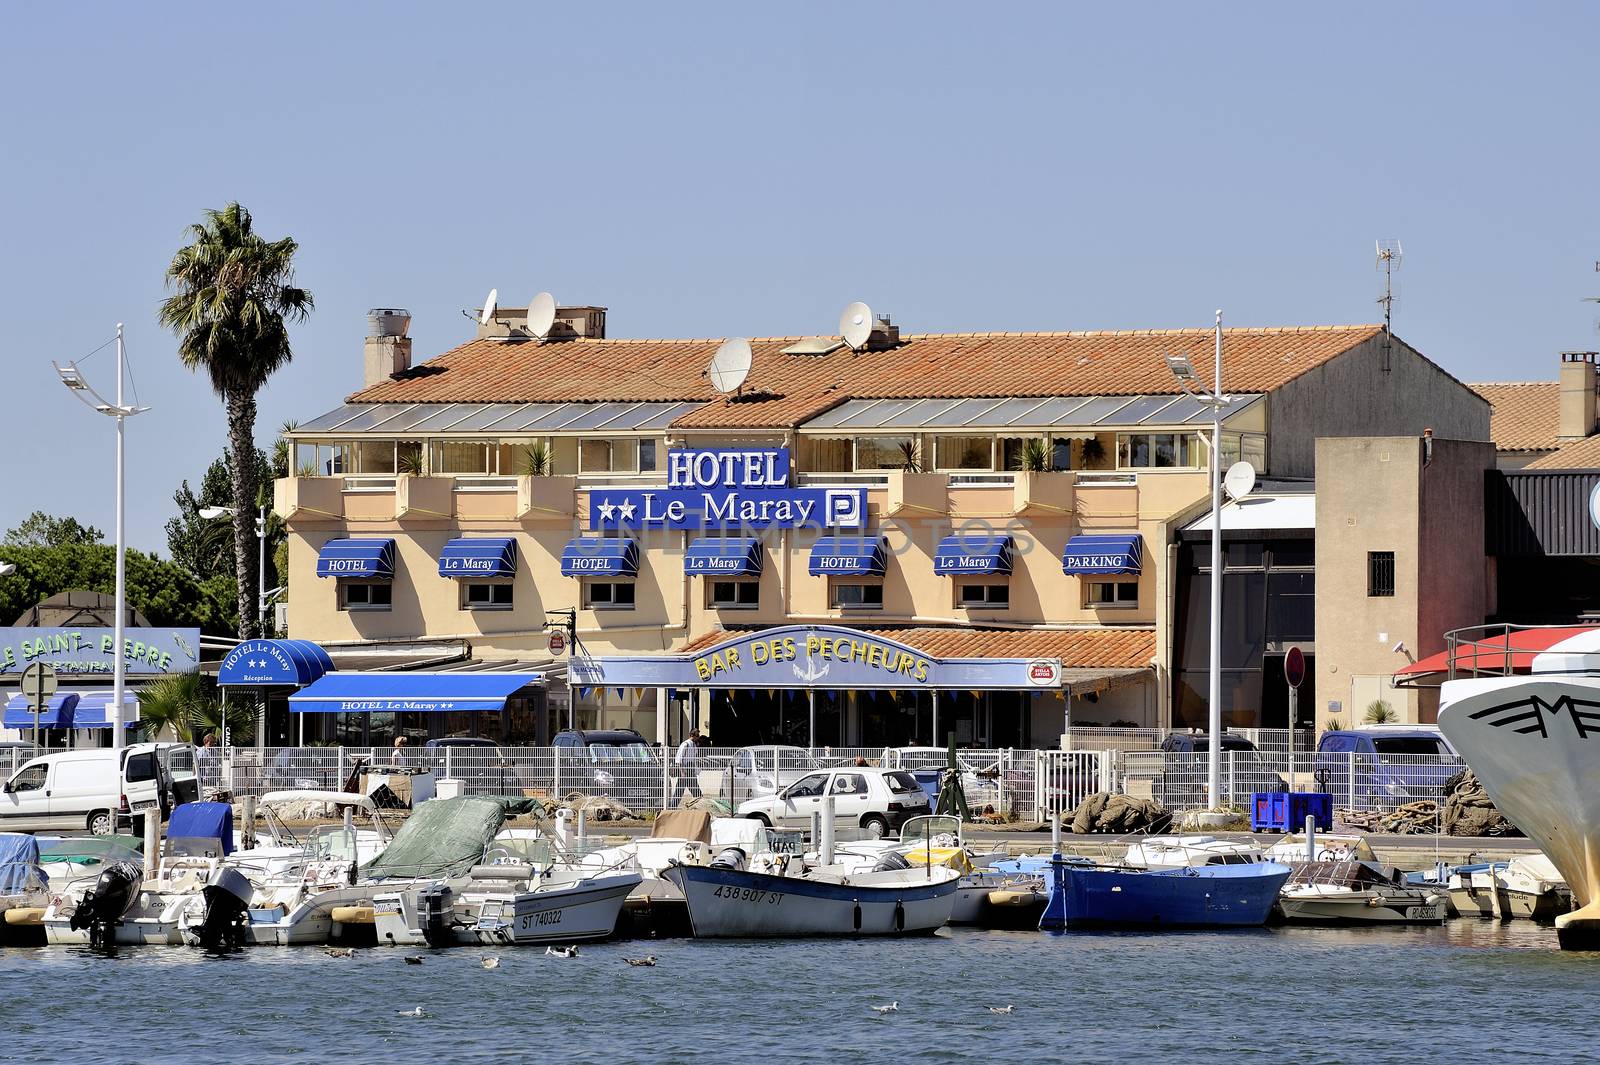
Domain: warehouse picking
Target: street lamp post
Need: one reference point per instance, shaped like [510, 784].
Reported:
[263, 593]
[1183, 370]
[73, 378]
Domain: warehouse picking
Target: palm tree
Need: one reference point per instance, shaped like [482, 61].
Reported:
[233, 295]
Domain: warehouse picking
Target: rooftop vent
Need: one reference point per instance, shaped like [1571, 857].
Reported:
[814, 346]
[388, 322]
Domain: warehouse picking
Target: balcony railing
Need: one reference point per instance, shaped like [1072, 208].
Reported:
[370, 483]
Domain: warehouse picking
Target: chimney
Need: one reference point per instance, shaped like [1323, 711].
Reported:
[387, 349]
[1578, 411]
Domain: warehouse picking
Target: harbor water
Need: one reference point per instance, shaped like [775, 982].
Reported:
[1463, 991]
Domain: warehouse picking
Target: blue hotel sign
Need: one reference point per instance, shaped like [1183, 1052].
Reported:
[728, 488]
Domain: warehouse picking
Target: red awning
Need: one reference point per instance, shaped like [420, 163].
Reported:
[1490, 655]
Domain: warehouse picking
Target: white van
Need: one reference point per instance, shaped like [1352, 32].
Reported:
[97, 789]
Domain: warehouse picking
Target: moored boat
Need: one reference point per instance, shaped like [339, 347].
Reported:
[1357, 892]
[1528, 886]
[1083, 895]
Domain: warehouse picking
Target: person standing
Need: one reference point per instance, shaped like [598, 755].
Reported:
[205, 764]
[399, 756]
[686, 766]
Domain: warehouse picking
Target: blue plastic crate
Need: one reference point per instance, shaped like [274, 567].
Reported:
[1286, 811]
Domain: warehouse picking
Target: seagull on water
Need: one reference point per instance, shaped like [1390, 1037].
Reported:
[491, 963]
[648, 959]
[1002, 1009]
[413, 959]
[893, 1007]
[340, 952]
[410, 1013]
[563, 952]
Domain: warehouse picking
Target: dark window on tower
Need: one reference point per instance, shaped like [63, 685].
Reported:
[1380, 573]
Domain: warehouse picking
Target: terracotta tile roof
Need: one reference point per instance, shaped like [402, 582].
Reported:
[1525, 414]
[1103, 648]
[1578, 455]
[786, 390]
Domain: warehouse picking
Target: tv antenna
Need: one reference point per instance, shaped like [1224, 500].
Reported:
[855, 325]
[1388, 260]
[730, 365]
[541, 315]
[1239, 481]
[486, 315]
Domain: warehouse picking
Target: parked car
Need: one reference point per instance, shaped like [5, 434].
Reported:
[755, 771]
[482, 765]
[1186, 764]
[98, 789]
[877, 800]
[1385, 765]
[613, 762]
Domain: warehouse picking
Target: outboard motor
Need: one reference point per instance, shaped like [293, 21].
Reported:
[890, 861]
[104, 904]
[433, 914]
[733, 858]
[227, 898]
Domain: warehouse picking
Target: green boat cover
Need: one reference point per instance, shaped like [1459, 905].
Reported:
[443, 837]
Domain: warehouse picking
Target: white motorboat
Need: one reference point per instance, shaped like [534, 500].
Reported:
[1357, 892]
[121, 907]
[727, 899]
[1534, 742]
[1528, 886]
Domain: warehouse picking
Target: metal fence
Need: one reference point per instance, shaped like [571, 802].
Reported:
[1356, 781]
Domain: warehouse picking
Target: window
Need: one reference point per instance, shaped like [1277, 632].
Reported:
[806, 787]
[855, 595]
[963, 452]
[608, 595]
[1013, 452]
[647, 456]
[1158, 451]
[486, 595]
[140, 767]
[611, 456]
[1061, 453]
[450, 456]
[849, 784]
[976, 596]
[322, 460]
[827, 454]
[30, 779]
[733, 595]
[885, 452]
[1380, 573]
[356, 595]
[1110, 593]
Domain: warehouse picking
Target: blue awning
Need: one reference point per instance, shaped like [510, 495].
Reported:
[600, 556]
[94, 710]
[479, 556]
[731, 556]
[973, 554]
[430, 693]
[1103, 554]
[357, 557]
[57, 713]
[853, 556]
[260, 663]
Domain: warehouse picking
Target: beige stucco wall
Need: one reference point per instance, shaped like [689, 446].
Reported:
[1377, 494]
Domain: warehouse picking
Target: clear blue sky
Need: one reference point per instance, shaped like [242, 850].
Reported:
[749, 168]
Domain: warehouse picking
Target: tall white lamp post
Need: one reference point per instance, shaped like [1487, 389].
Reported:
[73, 378]
[1183, 370]
[263, 593]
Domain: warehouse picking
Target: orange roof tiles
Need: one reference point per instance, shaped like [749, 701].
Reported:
[1525, 415]
[786, 390]
[1578, 455]
[1092, 648]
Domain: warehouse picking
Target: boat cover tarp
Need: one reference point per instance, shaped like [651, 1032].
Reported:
[443, 837]
[203, 820]
[19, 864]
[93, 850]
[682, 824]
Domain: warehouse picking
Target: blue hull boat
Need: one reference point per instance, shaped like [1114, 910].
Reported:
[1206, 896]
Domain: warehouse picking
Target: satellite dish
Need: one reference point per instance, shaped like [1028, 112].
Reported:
[730, 365]
[541, 315]
[489, 305]
[1239, 481]
[855, 325]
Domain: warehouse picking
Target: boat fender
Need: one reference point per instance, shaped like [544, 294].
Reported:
[857, 915]
[899, 916]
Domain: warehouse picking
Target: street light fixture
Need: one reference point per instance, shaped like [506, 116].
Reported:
[1183, 369]
[264, 596]
[7, 569]
[75, 382]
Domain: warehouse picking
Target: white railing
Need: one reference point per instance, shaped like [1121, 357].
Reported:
[822, 480]
[485, 483]
[369, 483]
[1361, 782]
[1092, 477]
[982, 480]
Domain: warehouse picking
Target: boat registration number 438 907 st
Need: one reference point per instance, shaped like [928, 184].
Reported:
[739, 894]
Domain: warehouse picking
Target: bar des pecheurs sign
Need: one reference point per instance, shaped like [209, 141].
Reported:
[145, 651]
[815, 656]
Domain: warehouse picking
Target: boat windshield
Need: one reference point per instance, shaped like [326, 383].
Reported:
[331, 843]
[919, 830]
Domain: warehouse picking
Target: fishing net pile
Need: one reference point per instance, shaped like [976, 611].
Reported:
[1116, 814]
[1468, 810]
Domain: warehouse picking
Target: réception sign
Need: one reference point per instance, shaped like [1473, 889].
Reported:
[722, 488]
[145, 651]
